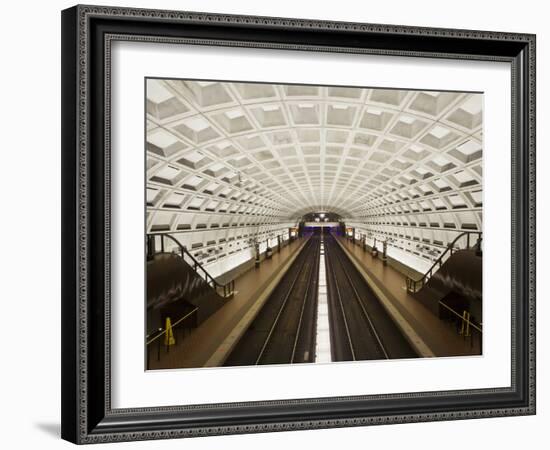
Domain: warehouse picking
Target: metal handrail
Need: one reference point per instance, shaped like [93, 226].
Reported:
[156, 335]
[414, 286]
[228, 288]
[474, 325]
[162, 331]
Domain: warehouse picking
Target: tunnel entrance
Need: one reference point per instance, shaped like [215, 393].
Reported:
[322, 222]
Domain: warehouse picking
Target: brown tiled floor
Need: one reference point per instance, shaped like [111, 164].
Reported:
[196, 348]
[440, 336]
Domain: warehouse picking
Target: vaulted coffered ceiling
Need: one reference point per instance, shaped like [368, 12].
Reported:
[245, 154]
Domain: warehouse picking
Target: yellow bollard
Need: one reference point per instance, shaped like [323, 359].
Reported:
[169, 335]
[462, 325]
[467, 333]
[465, 328]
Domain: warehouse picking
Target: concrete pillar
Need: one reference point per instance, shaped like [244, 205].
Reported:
[150, 245]
[257, 250]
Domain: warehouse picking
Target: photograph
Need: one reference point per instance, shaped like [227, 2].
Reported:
[294, 223]
[300, 223]
[275, 225]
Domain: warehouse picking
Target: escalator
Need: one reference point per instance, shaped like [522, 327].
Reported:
[178, 284]
[454, 284]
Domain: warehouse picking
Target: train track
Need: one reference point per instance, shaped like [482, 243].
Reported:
[283, 332]
[360, 326]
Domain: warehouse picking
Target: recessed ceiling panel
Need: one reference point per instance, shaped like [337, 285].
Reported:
[266, 154]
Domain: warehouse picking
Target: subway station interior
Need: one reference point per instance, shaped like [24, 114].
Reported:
[311, 224]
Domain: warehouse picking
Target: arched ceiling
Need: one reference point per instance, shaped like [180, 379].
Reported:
[261, 154]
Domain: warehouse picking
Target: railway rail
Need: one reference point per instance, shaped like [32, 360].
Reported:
[283, 332]
[361, 329]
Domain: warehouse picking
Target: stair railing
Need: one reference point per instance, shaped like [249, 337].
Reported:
[226, 290]
[414, 286]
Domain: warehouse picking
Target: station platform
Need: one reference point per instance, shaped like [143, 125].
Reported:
[429, 335]
[210, 343]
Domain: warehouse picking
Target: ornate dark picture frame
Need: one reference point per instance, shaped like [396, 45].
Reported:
[87, 35]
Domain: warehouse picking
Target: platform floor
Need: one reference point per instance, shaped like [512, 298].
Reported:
[208, 343]
[441, 337]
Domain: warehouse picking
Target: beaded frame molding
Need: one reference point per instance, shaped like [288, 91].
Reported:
[87, 35]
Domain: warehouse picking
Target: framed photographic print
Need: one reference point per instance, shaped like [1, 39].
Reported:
[278, 224]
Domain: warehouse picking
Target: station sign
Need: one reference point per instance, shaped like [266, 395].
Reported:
[321, 224]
